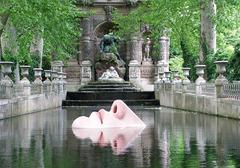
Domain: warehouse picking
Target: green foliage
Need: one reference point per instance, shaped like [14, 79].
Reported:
[220, 55]
[56, 21]
[182, 18]
[176, 63]
[234, 64]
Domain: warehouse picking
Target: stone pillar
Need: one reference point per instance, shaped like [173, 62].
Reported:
[185, 81]
[57, 66]
[85, 40]
[134, 72]
[60, 82]
[25, 82]
[164, 51]
[221, 80]
[55, 81]
[64, 76]
[6, 84]
[47, 84]
[159, 68]
[86, 72]
[200, 80]
[37, 84]
[134, 48]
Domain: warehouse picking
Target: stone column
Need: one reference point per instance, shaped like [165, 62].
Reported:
[64, 76]
[86, 72]
[47, 84]
[134, 72]
[55, 81]
[185, 81]
[25, 82]
[164, 51]
[6, 84]
[200, 80]
[60, 82]
[57, 66]
[85, 39]
[37, 84]
[134, 48]
[221, 80]
[158, 68]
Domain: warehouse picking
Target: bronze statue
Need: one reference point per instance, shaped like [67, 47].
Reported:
[108, 44]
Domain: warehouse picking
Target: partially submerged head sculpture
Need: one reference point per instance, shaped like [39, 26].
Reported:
[120, 115]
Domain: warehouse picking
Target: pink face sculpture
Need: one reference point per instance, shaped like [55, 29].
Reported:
[119, 116]
[118, 138]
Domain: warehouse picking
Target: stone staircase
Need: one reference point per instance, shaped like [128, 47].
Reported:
[104, 93]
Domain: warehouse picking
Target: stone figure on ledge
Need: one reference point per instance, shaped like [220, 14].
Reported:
[110, 75]
[147, 50]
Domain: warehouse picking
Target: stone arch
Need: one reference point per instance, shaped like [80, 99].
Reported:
[104, 28]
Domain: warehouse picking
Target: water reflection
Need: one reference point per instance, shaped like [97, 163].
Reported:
[172, 138]
[118, 138]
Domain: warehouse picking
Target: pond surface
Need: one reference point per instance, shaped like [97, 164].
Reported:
[172, 138]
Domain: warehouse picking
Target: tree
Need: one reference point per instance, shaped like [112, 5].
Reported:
[52, 24]
[194, 26]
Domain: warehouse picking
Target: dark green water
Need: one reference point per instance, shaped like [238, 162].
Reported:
[172, 139]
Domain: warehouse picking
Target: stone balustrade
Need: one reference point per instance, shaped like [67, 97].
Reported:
[9, 89]
[218, 98]
[27, 97]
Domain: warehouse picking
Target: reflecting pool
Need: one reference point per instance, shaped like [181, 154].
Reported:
[172, 138]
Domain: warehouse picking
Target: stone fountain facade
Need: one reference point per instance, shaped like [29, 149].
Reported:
[138, 70]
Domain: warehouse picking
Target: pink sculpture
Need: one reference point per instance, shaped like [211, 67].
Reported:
[118, 138]
[118, 127]
[120, 115]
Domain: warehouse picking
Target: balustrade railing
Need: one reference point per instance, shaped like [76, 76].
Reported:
[231, 90]
[208, 89]
[191, 88]
[2, 91]
[178, 87]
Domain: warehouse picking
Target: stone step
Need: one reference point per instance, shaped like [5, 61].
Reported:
[109, 83]
[106, 86]
[109, 95]
[108, 89]
[149, 102]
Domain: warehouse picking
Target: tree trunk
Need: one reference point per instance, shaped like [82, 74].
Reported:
[207, 29]
[36, 48]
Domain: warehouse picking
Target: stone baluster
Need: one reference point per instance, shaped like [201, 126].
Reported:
[221, 80]
[134, 71]
[64, 76]
[37, 84]
[86, 72]
[200, 80]
[60, 82]
[164, 51]
[25, 82]
[167, 75]
[55, 81]
[175, 77]
[47, 84]
[185, 81]
[6, 82]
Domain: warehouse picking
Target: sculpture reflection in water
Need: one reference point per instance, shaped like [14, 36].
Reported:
[119, 127]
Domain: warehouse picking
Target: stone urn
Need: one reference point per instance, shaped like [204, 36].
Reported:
[25, 73]
[200, 73]
[167, 76]
[54, 75]
[175, 76]
[6, 67]
[186, 74]
[37, 75]
[221, 68]
[47, 74]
